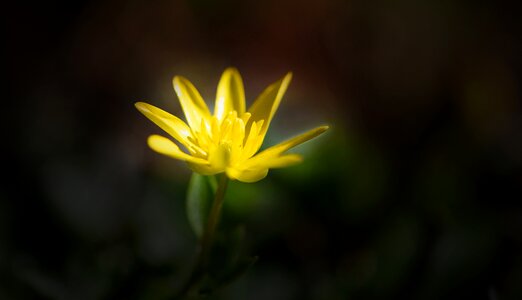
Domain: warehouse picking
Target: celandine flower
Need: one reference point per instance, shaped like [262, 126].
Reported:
[228, 140]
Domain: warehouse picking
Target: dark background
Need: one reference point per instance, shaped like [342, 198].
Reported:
[414, 192]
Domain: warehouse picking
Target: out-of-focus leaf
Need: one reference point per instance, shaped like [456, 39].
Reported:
[239, 269]
[228, 276]
[199, 200]
[213, 184]
[226, 251]
[228, 261]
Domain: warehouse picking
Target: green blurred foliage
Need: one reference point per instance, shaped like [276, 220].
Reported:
[413, 193]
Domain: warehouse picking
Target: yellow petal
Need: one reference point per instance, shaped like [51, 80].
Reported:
[280, 161]
[260, 170]
[247, 175]
[171, 124]
[204, 169]
[230, 94]
[250, 141]
[267, 103]
[276, 150]
[290, 143]
[220, 157]
[165, 146]
[191, 101]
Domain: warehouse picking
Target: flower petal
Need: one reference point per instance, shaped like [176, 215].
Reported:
[281, 161]
[191, 101]
[165, 146]
[276, 150]
[219, 158]
[247, 175]
[171, 124]
[230, 94]
[204, 169]
[267, 103]
[260, 170]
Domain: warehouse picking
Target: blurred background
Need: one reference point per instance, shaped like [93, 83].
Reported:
[414, 192]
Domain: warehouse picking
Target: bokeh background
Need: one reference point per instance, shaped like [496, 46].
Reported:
[414, 192]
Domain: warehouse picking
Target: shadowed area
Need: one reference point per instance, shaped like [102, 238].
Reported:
[413, 193]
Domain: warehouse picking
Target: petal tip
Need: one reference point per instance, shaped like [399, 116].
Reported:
[288, 78]
[176, 78]
[151, 139]
[324, 128]
[178, 82]
[232, 70]
[142, 107]
[320, 130]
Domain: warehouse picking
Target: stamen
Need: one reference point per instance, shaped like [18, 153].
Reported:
[238, 132]
[215, 130]
[245, 117]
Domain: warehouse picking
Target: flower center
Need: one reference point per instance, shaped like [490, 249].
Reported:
[227, 141]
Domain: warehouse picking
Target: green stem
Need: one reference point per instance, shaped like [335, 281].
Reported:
[207, 239]
[213, 220]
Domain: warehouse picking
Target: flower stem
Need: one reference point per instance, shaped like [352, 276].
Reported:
[207, 239]
[213, 220]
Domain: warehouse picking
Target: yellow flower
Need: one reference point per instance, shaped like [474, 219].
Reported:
[228, 140]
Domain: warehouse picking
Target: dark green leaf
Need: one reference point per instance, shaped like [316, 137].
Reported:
[226, 250]
[228, 276]
[199, 200]
[228, 261]
[242, 266]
